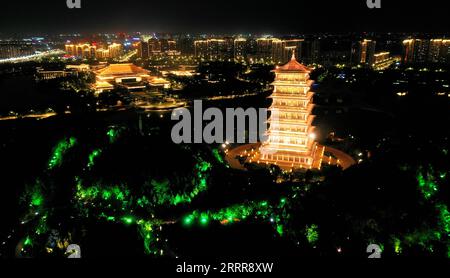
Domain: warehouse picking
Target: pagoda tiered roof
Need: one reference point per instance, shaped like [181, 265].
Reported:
[308, 120]
[280, 95]
[293, 66]
[292, 109]
[278, 131]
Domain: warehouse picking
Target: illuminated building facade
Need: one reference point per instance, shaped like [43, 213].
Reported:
[70, 70]
[264, 49]
[50, 74]
[290, 138]
[201, 48]
[424, 50]
[277, 50]
[115, 50]
[127, 75]
[143, 50]
[120, 73]
[14, 49]
[154, 46]
[383, 60]
[148, 47]
[240, 49]
[363, 52]
[439, 51]
[102, 53]
[88, 51]
[82, 50]
[168, 45]
[282, 49]
[214, 49]
[82, 67]
[415, 50]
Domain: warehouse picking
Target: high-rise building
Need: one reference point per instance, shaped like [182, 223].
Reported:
[408, 51]
[252, 47]
[424, 50]
[88, 51]
[415, 50]
[167, 45]
[277, 50]
[228, 49]
[81, 50]
[214, 49]
[186, 46]
[171, 45]
[154, 46]
[70, 49]
[291, 138]
[282, 49]
[143, 50]
[14, 49]
[149, 46]
[201, 49]
[383, 60]
[115, 50]
[421, 49]
[264, 49]
[439, 51]
[240, 49]
[311, 51]
[102, 53]
[363, 52]
[217, 49]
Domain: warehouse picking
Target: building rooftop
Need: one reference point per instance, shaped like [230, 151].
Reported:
[159, 81]
[293, 66]
[103, 85]
[122, 69]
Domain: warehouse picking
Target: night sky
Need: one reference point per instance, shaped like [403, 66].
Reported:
[225, 16]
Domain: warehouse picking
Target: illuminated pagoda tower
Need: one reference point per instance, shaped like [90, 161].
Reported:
[290, 138]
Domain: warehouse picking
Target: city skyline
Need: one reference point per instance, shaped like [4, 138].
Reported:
[378, 51]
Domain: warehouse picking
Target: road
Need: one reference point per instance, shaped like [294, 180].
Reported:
[32, 57]
[232, 155]
[342, 158]
[29, 116]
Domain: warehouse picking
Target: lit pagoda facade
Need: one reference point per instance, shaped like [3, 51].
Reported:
[290, 138]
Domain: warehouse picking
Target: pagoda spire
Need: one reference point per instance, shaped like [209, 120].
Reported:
[293, 55]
